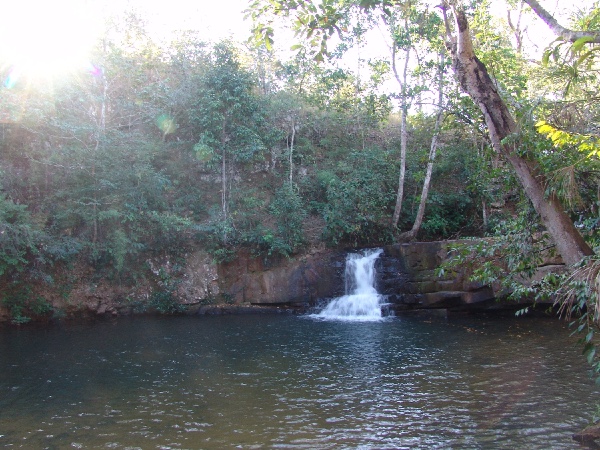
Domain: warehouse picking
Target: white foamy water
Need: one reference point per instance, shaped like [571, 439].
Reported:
[361, 301]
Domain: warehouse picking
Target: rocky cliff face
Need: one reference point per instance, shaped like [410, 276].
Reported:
[409, 279]
[298, 281]
[406, 277]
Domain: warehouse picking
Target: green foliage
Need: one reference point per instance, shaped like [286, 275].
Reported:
[587, 144]
[451, 205]
[495, 51]
[313, 22]
[165, 302]
[19, 238]
[266, 228]
[446, 214]
[572, 65]
[218, 237]
[509, 259]
[164, 299]
[573, 60]
[22, 303]
[357, 199]
[288, 210]
[225, 111]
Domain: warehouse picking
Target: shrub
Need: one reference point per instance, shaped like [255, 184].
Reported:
[22, 304]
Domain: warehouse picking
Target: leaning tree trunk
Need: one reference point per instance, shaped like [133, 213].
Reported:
[475, 80]
[409, 235]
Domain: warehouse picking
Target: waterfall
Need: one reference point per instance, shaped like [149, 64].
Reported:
[361, 301]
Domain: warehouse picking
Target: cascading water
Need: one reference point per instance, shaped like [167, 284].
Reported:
[361, 302]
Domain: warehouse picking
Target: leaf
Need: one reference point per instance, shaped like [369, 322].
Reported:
[545, 129]
[588, 348]
[579, 43]
[546, 57]
[590, 356]
[556, 53]
[587, 55]
[589, 336]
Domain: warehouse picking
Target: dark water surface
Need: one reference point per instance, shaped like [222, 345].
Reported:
[293, 382]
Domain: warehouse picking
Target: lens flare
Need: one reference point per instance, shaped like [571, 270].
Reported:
[93, 69]
[166, 124]
[11, 80]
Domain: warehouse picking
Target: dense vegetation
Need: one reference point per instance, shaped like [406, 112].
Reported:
[162, 149]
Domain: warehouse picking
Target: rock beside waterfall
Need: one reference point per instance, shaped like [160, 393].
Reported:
[409, 280]
[298, 281]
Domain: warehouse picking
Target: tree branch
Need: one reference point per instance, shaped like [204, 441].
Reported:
[558, 29]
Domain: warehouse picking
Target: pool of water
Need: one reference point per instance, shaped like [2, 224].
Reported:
[293, 382]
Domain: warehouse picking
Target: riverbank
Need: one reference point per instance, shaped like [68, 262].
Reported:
[406, 278]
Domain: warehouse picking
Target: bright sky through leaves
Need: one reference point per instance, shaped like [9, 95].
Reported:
[44, 38]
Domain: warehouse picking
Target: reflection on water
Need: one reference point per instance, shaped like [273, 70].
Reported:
[293, 382]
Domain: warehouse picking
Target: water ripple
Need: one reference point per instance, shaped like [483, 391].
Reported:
[287, 382]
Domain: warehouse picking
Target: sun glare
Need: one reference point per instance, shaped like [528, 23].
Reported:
[43, 39]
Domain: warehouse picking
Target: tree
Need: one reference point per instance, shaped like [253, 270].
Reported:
[432, 151]
[401, 38]
[589, 36]
[286, 113]
[418, 26]
[228, 117]
[504, 136]
[320, 22]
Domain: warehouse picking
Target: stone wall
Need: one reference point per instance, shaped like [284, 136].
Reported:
[409, 279]
[406, 276]
[277, 280]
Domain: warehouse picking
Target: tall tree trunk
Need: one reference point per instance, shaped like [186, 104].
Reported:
[409, 235]
[403, 130]
[224, 194]
[291, 147]
[224, 182]
[100, 132]
[476, 81]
